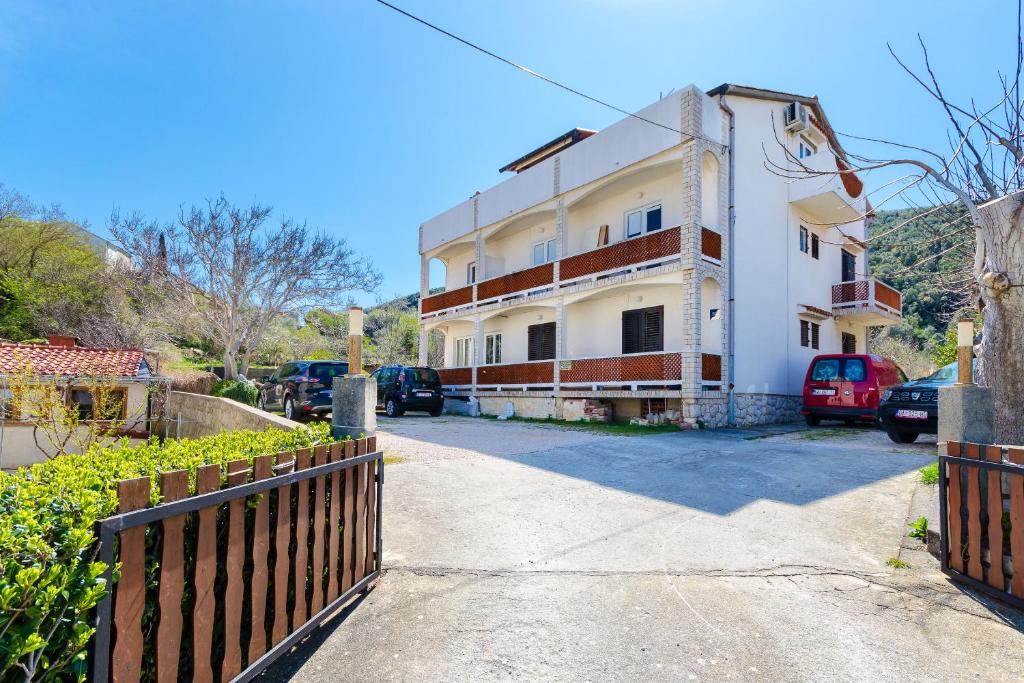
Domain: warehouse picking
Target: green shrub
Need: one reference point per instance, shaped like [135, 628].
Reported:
[930, 474]
[919, 529]
[49, 579]
[236, 390]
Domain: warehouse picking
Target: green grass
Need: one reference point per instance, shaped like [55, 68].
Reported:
[832, 433]
[393, 458]
[930, 474]
[897, 563]
[616, 428]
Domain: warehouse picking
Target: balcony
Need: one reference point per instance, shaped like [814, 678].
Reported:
[711, 245]
[825, 193]
[711, 369]
[516, 376]
[868, 302]
[657, 369]
[456, 377]
[632, 255]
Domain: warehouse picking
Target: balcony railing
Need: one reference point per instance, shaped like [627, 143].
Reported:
[868, 299]
[535, 373]
[454, 377]
[629, 369]
[710, 244]
[444, 301]
[711, 368]
[516, 283]
[646, 250]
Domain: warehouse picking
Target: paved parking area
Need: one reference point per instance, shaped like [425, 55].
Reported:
[518, 551]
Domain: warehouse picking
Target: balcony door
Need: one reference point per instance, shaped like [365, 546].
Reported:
[849, 267]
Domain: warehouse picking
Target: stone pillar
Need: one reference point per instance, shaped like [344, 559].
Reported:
[478, 346]
[559, 340]
[354, 406]
[966, 411]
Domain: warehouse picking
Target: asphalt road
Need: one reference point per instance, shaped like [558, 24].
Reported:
[526, 552]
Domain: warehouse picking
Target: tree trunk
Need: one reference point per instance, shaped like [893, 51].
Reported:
[230, 364]
[1001, 288]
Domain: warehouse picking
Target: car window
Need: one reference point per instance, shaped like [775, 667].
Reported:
[854, 370]
[944, 374]
[423, 378]
[327, 371]
[825, 370]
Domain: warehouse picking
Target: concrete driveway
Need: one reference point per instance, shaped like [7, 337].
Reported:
[517, 551]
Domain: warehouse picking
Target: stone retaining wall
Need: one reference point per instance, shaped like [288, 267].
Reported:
[209, 415]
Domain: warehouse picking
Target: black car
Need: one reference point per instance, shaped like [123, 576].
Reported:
[401, 388]
[910, 409]
[301, 388]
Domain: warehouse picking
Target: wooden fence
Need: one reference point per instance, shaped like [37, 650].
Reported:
[981, 500]
[217, 585]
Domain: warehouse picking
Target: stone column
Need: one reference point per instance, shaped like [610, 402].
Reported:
[476, 357]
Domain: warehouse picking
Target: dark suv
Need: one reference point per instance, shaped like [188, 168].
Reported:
[910, 409]
[301, 388]
[401, 388]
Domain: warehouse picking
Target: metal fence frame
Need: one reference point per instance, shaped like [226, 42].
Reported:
[108, 528]
[962, 577]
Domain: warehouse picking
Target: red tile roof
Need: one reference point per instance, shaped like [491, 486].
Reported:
[71, 360]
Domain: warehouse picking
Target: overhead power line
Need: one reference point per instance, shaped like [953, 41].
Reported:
[542, 77]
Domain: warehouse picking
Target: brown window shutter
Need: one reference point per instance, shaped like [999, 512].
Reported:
[654, 329]
[814, 246]
[631, 329]
[815, 328]
[804, 333]
[540, 341]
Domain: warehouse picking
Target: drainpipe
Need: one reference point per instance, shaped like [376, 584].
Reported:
[731, 338]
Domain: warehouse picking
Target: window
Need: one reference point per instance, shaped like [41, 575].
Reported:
[809, 334]
[540, 342]
[807, 148]
[104, 404]
[492, 348]
[423, 378]
[9, 405]
[326, 372]
[849, 266]
[544, 251]
[814, 245]
[803, 239]
[839, 369]
[463, 352]
[471, 272]
[647, 219]
[643, 330]
[849, 343]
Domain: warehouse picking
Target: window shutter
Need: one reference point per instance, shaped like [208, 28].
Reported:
[814, 246]
[654, 329]
[533, 342]
[540, 342]
[804, 333]
[815, 328]
[547, 341]
[631, 321]
[849, 343]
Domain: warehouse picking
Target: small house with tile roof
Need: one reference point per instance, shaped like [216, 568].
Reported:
[63, 360]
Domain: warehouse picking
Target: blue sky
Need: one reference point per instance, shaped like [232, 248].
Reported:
[364, 124]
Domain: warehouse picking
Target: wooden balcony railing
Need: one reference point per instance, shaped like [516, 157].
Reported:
[641, 367]
[656, 245]
[711, 244]
[711, 367]
[449, 299]
[866, 293]
[521, 281]
[456, 376]
[534, 372]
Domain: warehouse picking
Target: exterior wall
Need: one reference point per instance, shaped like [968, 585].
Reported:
[594, 327]
[513, 328]
[512, 250]
[211, 415]
[455, 266]
[535, 407]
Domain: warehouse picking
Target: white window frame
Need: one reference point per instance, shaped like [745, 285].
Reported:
[803, 143]
[546, 248]
[492, 348]
[463, 352]
[805, 240]
[643, 211]
[471, 272]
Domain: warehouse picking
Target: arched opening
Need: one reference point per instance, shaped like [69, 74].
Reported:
[709, 190]
[437, 275]
[712, 314]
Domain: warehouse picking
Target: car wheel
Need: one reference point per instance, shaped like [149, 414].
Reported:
[436, 412]
[812, 420]
[902, 437]
[393, 409]
[289, 408]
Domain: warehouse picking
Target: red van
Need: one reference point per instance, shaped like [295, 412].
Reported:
[847, 387]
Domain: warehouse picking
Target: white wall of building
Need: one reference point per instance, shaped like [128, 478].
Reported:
[513, 327]
[593, 327]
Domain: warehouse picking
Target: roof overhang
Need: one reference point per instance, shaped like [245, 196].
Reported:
[548, 149]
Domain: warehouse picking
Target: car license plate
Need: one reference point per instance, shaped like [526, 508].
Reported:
[912, 414]
[823, 392]
[424, 393]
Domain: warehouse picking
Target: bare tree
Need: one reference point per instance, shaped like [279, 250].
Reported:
[236, 275]
[982, 174]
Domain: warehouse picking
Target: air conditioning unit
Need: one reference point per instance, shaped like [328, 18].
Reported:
[797, 117]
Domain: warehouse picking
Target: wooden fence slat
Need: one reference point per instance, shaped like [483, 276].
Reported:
[956, 553]
[995, 520]
[132, 494]
[974, 514]
[1016, 455]
[261, 469]
[371, 514]
[360, 527]
[348, 531]
[207, 481]
[319, 520]
[238, 473]
[300, 614]
[173, 486]
[282, 563]
[334, 522]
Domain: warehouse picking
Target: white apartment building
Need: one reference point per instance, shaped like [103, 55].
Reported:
[660, 265]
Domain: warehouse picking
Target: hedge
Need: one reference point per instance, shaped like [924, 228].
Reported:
[50, 580]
